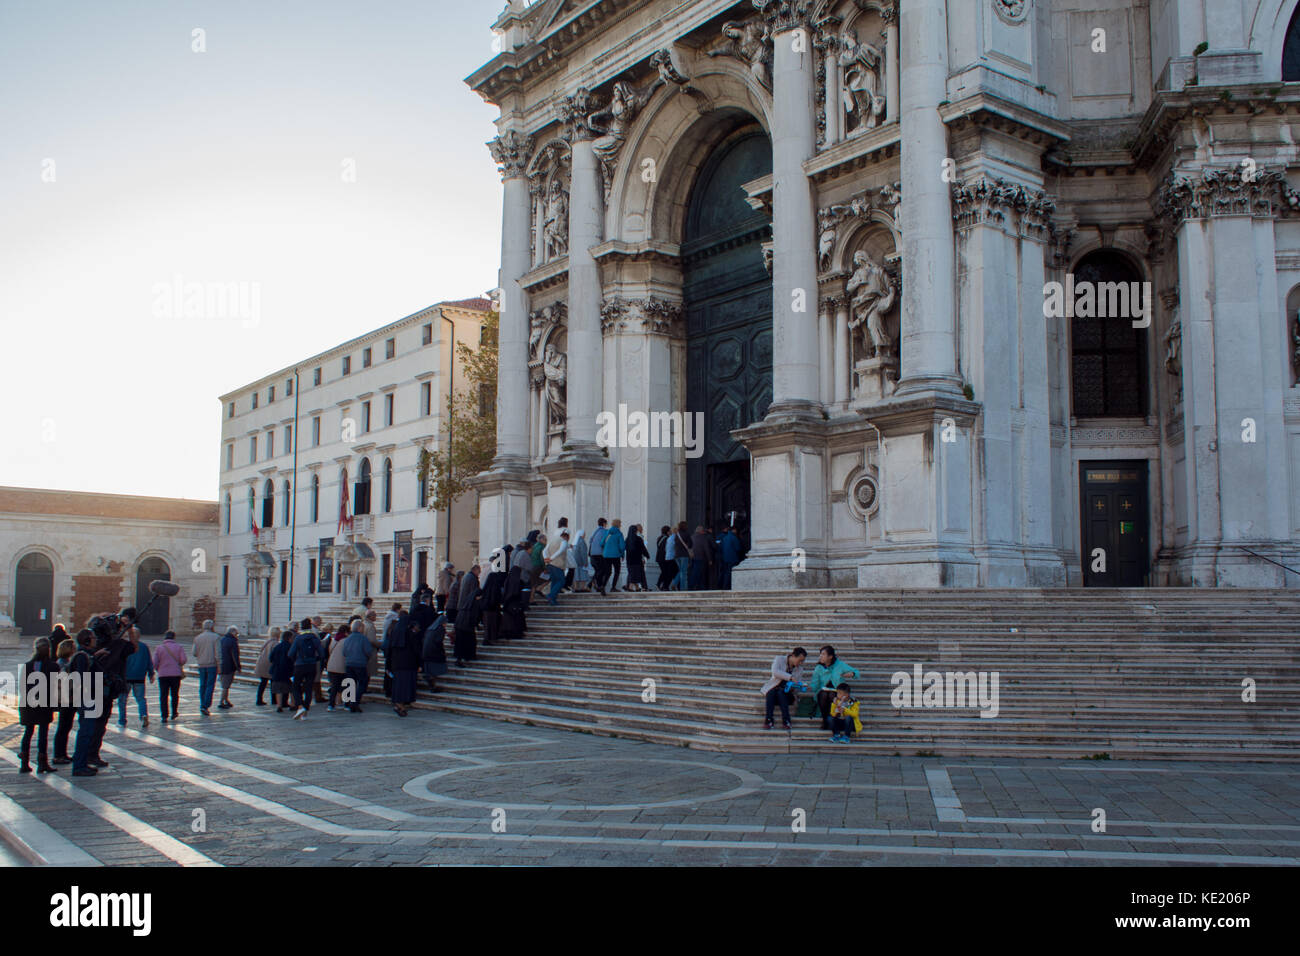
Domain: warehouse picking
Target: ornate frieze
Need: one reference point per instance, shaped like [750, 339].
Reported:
[548, 187]
[783, 15]
[511, 152]
[1011, 11]
[651, 316]
[859, 208]
[575, 112]
[542, 324]
[1224, 191]
[1060, 236]
[992, 200]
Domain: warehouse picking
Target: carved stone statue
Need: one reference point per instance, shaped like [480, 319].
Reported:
[873, 295]
[825, 244]
[614, 120]
[555, 224]
[750, 41]
[555, 370]
[1174, 349]
[862, 66]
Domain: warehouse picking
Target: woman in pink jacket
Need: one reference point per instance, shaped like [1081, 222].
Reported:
[169, 662]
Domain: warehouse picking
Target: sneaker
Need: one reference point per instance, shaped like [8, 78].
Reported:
[302, 711]
[845, 739]
[835, 738]
[145, 722]
[330, 708]
[205, 713]
[85, 772]
[768, 725]
[98, 762]
[785, 725]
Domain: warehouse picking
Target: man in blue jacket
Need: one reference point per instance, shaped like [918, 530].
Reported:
[612, 549]
[730, 552]
[139, 666]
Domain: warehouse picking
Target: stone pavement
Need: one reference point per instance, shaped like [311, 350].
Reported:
[253, 787]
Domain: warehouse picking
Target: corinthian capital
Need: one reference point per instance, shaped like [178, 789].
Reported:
[511, 150]
[576, 111]
[785, 15]
[1226, 191]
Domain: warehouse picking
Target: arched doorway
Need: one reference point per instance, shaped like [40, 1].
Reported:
[1291, 50]
[34, 595]
[1108, 355]
[155, 620]
[727, 295]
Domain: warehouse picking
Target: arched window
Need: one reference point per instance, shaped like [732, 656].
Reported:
[361, 495]
[1108, 355]
[158, 617]
[388, 485]
[288, 504]
[315, 498]
[268, 504]
[228, 506]
[252, 508]
[1291, 50]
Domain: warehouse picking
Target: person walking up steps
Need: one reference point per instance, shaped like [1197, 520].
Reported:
[613, 548]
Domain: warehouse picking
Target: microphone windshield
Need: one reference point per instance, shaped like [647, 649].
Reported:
[164, 588]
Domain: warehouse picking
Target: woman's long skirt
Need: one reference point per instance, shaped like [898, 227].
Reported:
[466, 646]
[403, 687]
[636, 575]
[491, 626]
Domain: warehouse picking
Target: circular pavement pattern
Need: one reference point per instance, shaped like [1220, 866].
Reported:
[581, 783]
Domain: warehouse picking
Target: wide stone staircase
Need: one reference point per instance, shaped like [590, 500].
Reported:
[1101, 674]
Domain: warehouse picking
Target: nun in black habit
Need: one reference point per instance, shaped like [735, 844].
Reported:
[490, 605]
[434, 664]
[467, 614]
[512, 605]
[402, 659]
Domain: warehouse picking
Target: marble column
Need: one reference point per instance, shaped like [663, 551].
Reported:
[511, 152]
[834, 107]
[826, 339]
[928, 346]
[794, 218]
[890, 16]
[586, 201]
[843, 372]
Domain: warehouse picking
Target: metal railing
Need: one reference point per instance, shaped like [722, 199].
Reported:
[1269, 560]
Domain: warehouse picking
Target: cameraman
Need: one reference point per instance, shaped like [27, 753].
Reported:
[113, 645]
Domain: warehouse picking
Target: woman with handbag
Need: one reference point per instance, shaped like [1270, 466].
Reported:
[169, 664]
[36, 718]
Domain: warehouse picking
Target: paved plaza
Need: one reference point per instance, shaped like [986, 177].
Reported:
[253, 787]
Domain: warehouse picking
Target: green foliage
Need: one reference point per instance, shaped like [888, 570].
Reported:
[968, 391]
[471, 421]
[1200, 48]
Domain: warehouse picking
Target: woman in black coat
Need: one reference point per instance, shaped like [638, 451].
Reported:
[637, 553]
[434, 654]
[490, 605]
[512, 605]
[467, 611]
[36, 690]
[402, 653]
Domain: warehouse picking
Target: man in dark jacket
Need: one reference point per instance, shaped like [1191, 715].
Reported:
[728, 557]
[467, 613]
[307, 654]
[701, 558]
[229, 666]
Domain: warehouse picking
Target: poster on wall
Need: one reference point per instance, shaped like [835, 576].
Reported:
[325, 578]
[402, 561]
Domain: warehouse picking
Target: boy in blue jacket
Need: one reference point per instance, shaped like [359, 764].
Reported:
[139, 666]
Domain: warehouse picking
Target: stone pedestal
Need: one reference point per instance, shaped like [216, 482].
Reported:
[875, 378]
[578, 488]
[503, 506]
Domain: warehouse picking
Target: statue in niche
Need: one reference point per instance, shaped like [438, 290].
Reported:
[555, 224]
[1174, 349]
[749, 41]
[873, 294]
[862, 65]
[825, 245]
[555, 370]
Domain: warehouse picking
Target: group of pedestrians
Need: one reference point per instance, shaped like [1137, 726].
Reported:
[830, 697]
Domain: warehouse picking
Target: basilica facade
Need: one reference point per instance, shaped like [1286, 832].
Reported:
[964, 292]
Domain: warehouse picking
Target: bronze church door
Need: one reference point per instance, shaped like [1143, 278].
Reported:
[1115, 525]
[727, 295]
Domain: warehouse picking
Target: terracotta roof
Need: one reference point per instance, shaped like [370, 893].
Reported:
[35, 501]
[480, 304]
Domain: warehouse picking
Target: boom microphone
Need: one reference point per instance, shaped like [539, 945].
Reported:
[164, 588]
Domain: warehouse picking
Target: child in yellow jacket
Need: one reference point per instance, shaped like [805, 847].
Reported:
[844, 715]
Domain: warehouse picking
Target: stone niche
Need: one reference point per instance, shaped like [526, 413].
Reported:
[873, 293]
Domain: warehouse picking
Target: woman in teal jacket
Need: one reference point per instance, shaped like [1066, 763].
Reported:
[827, 675]
[613, 548]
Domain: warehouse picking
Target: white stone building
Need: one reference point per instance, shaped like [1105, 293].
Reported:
[365, 411]
[833, 226]
[70, 555]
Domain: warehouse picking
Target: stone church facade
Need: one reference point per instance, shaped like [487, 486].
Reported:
[966, 292]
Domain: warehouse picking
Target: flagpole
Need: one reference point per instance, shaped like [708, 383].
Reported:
[293, 497]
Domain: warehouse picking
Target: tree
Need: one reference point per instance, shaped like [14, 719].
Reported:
[470, 439]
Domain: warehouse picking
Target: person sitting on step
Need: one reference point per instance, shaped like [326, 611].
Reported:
[827, 675]
[787, 669]
[845, 721]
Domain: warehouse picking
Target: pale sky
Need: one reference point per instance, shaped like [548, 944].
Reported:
[223, 168]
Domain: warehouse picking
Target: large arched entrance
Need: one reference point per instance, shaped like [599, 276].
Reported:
[155, 620]
[727, 295]
[34, 594]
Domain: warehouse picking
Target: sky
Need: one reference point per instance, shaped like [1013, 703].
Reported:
[320, 166]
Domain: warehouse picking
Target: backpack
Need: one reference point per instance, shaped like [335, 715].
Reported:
[659, 549]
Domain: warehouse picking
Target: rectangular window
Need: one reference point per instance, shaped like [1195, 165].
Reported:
[284, 577]
[255, 399]
[426, 399]
[288, 388]
[347, 365]
[315, 432]
[230, 410]
[252, 450]
[315, 377]
[390, 348]
[486, 399]
[288, 439]
[387, 573]
[230, 457]
[270, 395]
[365, 417]
[225, 580]
[388, 410]
[270, 444]
[365, 358]
[427, 335]
[311, 575]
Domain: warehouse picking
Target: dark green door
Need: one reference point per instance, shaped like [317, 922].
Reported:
[727, 294]
[1114, 520]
